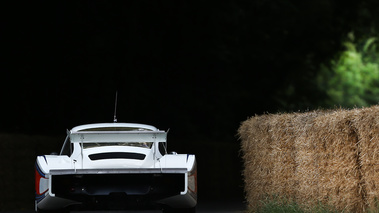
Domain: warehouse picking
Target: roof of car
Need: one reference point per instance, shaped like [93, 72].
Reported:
[114, 127]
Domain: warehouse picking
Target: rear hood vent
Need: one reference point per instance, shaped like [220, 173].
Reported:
[117, 155]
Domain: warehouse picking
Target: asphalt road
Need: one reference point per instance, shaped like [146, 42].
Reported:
[221, 207]
[206, 207]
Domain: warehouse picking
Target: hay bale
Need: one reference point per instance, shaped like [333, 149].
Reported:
[283, 132]
[306, 158]
[338, 162]
[256, 153]
[366, 124]
[318, 156]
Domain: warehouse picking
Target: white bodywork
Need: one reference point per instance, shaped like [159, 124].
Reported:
[115, 150]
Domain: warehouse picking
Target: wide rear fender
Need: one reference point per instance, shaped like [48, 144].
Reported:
[47, 162]
[177, 161]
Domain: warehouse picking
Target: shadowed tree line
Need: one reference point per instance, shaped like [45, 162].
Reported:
[199, 66]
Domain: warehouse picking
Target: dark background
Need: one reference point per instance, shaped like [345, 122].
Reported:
[198, 68]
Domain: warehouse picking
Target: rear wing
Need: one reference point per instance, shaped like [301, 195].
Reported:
[117, 136]
[119, 171]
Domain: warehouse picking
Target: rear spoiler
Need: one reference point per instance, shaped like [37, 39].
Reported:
[118, 171]
[117, 136]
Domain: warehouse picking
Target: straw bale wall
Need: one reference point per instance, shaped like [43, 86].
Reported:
[366, 124]
[307, 169]
[259, 159]
[330, 157]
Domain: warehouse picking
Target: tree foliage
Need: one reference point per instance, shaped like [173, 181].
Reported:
[352, 79]
[212, 65]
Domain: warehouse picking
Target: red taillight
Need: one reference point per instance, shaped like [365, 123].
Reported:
[38, 176]
[37, 179]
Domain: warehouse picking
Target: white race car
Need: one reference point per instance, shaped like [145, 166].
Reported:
[116, 166]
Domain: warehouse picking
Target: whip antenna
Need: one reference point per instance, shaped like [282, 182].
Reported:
[115, 108]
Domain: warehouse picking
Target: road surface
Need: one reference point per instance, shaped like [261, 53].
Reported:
[205, 207]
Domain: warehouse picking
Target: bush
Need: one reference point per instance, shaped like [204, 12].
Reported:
[353, 78]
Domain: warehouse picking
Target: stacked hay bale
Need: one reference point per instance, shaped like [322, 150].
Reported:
[258, 162]
[365, 122]
[319, 156]
[282, 133]
[338, 161]
[306, 154]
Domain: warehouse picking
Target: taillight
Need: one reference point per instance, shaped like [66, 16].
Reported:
[192, 182]
[41, 182]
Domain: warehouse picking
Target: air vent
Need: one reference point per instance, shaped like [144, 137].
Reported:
[117, 155]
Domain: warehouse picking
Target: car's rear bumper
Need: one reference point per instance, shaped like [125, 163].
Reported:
[120, 188]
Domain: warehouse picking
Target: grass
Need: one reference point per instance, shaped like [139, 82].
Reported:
[282, 205]
[288, 206]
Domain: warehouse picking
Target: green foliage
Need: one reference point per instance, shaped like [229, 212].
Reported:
[289, 206]
[275, 205]
[352, 80]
